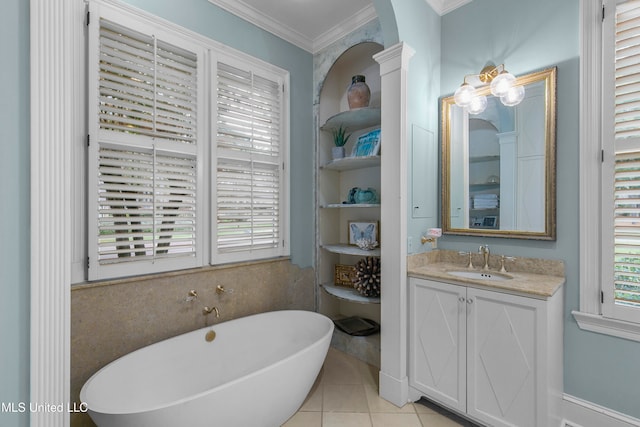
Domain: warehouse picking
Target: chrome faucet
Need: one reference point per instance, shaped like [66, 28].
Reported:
[484, 250]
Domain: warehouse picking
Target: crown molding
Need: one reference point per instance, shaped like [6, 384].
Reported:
[260, 20]
[344, 27]
[277, 28]
[443, 7]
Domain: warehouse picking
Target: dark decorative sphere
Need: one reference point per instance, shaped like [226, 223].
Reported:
[367, 280]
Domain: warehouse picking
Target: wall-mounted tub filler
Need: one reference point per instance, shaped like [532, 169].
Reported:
[208, 310]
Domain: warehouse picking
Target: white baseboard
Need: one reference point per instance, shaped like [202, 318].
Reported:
[581, 413]
[394, 390]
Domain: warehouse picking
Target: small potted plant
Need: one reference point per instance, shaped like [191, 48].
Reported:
[339, 139]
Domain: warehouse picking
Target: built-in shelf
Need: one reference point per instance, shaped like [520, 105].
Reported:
[350, 205]
[349, 294]
[479, 159]
[358, 118]
[351, 163]
[350, 250]
[484, 186]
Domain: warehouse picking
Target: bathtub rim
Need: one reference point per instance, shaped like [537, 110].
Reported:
[325, 337]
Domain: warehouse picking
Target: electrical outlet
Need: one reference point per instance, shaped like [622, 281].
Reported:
[410, 244]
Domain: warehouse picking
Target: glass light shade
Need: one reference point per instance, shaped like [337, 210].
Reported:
[477, 105]
[514, 96]
[464, 94]
[501, 84]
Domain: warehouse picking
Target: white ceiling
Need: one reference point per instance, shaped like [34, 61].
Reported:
[313, 24]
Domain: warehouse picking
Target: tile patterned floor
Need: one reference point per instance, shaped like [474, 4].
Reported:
[346, 395]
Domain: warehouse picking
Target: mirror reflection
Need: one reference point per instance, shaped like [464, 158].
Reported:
[498, 166]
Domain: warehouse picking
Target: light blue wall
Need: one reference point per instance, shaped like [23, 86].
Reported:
[14, 209]
[420, 28]
[215, 23]
[386, 15]
[528, 36]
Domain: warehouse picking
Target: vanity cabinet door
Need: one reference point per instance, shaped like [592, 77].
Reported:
[437, 346]
[505, 334]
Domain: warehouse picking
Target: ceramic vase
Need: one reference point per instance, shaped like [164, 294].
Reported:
[358, 94]
[337, 152]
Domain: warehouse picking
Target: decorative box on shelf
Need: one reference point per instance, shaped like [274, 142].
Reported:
[344, 275]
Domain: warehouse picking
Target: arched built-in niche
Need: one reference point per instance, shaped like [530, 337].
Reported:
[324, 60]
[334, 180]
[357, 59]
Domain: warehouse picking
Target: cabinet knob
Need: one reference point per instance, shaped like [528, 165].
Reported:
[469, 301]
[461, 299]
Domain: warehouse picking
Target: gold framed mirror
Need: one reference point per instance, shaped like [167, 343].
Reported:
[499, 166]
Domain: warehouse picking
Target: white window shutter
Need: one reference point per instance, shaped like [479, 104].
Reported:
[145, 150]
[627, 112]
[249, 177]
[175, 206]
[126, 207]
[622, 291]
[627, 229]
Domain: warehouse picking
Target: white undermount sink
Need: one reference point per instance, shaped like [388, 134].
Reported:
[479, 275]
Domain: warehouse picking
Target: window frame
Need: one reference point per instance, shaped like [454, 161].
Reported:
[590, 315]
[205, 151]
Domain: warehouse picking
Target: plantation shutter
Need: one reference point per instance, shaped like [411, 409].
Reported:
[143, 181]
[249, 165]
[627, 157]
[147, 206]
[147, 87]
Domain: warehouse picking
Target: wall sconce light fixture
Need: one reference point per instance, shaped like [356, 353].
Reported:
[501, 83]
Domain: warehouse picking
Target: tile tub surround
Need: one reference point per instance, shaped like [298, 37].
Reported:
[114, 318]
[533, 277]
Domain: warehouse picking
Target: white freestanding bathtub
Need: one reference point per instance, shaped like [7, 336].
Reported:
[256, 372]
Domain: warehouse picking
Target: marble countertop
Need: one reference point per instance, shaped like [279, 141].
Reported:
[528, 276]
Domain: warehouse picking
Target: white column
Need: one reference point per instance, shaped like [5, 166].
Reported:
[56, 32]
[393, 372]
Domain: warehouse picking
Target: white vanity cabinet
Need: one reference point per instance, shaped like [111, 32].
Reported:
[491, 356]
